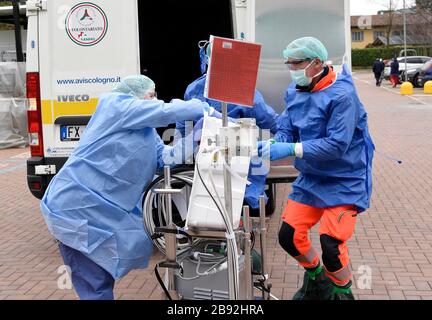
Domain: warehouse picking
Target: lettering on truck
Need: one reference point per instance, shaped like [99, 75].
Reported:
[74, 98]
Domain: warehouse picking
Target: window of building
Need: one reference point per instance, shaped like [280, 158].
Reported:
[357, 36]
[397, 33]
[378, 34]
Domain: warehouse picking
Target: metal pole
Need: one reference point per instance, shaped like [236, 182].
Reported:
[247, 253]
[18, 41]
[405, 40]
[228, 204]
[170, 238]
[227, 175]
[263, 244]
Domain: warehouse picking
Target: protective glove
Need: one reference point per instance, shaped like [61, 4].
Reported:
[197, 130]
[276, 150]
[207, 108]
[214, 113]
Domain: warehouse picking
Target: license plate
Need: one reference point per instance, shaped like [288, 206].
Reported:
[71, 133]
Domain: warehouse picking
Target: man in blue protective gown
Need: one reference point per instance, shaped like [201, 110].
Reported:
[324, 126]
[265, 116]
[90, 206]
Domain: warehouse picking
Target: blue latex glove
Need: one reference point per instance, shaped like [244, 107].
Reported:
[207, 108]
[215, 114]
[275, 150]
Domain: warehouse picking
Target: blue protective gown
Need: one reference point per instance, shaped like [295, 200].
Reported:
[266, 118]
[90, 205]
[337, 148]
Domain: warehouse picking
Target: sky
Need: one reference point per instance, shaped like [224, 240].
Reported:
[369, 7]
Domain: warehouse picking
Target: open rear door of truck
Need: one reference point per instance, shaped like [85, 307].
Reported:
[85, 48]
[76, 51]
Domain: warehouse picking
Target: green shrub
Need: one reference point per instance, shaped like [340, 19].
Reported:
[366, 57]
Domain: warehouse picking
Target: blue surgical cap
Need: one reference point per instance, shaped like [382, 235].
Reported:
[137, 86]
[306, 48]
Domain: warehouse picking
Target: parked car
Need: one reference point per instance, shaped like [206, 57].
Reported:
[414, 65]
[426, 73]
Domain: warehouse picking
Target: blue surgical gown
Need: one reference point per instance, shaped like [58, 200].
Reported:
[265, 116]
[91, 204]
[332, 125]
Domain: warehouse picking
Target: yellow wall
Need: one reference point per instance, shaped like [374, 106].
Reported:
[368, 37]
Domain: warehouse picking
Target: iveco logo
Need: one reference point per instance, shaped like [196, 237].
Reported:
[74, 98]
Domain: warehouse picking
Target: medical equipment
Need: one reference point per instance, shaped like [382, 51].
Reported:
[208, 254]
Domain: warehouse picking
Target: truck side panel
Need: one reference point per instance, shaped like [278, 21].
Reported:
[85, 49]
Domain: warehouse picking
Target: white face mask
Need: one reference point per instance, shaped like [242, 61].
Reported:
[300, 78]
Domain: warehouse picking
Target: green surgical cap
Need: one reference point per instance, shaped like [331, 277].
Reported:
[306, 48]
[137, 86]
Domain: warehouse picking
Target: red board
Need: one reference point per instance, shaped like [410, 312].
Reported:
[233, 71]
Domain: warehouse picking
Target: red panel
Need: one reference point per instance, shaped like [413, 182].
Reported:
[233, 71]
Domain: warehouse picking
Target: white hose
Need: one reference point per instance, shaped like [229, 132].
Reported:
[149, 224]
[228, 222]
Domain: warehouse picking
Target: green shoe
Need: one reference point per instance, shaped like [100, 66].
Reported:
[316, 286]
[342, 293]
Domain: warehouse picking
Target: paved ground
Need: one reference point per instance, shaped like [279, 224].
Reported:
[392, 241]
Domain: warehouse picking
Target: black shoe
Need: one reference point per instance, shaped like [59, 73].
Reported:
[342, 293]
[315, 286]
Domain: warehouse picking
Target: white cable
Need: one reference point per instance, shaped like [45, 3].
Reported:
[229, 236]
[228, 222]
[235, 174]
[271, 295]
[149, 223]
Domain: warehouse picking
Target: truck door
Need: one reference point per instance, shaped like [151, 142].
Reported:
[82, 50]
[169, 34]
[85, 49]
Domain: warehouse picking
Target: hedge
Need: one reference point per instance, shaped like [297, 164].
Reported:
[366, 57]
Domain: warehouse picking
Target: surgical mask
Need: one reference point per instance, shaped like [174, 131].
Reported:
[300, 78]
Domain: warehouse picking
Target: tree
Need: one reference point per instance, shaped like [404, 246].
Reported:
[423, 19]
[424, 5]
[390, 14]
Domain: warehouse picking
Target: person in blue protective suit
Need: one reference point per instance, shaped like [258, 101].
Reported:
[265, 116]
[90, 206]
[324, 126]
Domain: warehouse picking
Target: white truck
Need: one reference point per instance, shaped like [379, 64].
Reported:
[77, 50]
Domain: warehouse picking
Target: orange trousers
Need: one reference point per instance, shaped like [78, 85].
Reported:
[394, 80]
[336, 228]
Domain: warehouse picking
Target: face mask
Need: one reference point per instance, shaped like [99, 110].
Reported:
[300, 78]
